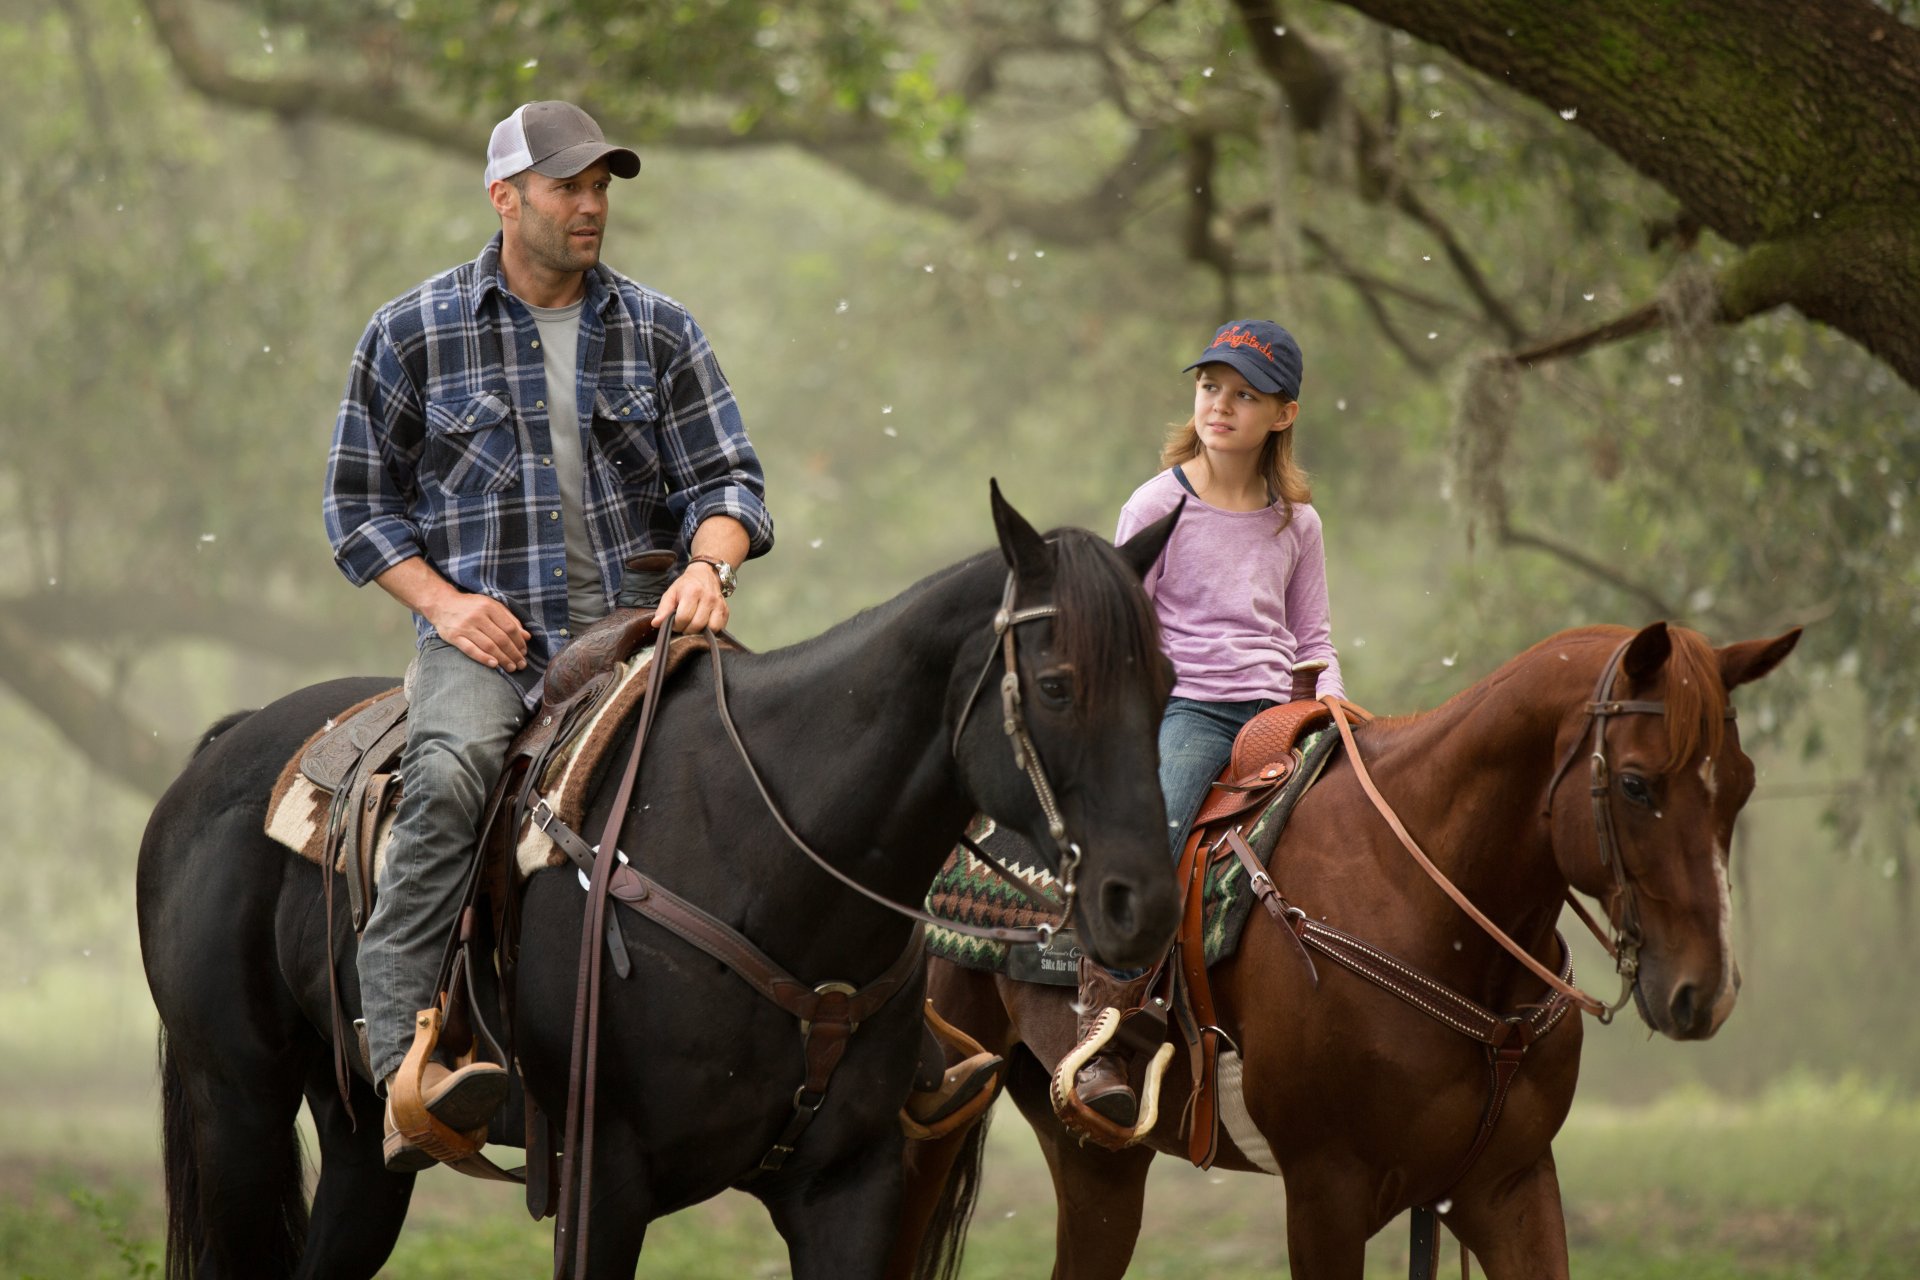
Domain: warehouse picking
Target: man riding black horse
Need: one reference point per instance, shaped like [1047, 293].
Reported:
[513, 433]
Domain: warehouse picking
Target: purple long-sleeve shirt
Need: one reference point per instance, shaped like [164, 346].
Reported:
[1238, 604]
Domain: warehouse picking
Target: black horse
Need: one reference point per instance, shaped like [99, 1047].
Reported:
[864, 738]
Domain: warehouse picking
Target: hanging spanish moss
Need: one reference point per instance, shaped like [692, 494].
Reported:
[1482, 426]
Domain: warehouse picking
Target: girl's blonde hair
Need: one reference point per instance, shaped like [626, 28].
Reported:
[1285, 478]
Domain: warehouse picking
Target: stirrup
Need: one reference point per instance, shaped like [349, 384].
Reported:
[966, 1089]
[1084, 1120]
[414, 1125]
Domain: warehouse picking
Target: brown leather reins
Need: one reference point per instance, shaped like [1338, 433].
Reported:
[1025, 757]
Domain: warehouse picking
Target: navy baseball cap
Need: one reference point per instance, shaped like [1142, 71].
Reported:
[1265, 354]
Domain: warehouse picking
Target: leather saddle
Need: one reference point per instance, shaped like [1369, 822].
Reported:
[1263, 759]
[1265, 756]
[356, 758]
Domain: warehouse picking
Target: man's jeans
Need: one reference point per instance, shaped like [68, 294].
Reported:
[461, 718]
[1196, 742]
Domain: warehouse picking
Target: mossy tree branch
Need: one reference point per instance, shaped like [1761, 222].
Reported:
[1786, 126]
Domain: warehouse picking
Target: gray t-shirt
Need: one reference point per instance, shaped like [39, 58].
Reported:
[559, 344]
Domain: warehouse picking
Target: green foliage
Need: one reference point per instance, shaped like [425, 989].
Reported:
[1813, 1180]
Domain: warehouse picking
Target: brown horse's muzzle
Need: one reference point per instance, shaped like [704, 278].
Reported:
[1686, 1001]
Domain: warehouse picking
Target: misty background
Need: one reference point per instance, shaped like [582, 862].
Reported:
[933, 244]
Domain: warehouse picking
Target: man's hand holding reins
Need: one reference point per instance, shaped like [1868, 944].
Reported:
[694, 601]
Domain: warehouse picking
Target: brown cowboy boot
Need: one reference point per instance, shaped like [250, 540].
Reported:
[464, 1101]
[1101, 1083]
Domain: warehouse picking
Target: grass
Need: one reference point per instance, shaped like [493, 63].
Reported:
[1815, 1179]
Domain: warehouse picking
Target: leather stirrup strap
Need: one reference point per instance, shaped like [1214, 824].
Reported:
[1580, 998]
[576, 1165]
[336, 1012]
[1203, 1139]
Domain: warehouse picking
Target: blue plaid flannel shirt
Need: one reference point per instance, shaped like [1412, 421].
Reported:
[441, 448]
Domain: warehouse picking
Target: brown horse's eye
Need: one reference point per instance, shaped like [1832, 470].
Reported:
[1635, 788]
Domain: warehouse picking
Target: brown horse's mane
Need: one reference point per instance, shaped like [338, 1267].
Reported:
[1695, 696]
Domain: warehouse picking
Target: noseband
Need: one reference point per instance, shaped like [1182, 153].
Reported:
[1625, 944]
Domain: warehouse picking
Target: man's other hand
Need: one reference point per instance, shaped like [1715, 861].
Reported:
[482, 628]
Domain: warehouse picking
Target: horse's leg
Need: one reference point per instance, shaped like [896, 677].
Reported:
[358, 1206]
[1327, 1224]
[840, 1225]
[622, 1205]
[1516, 1227]
[1098, 1193]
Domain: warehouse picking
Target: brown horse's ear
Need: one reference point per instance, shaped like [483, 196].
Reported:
[1025, 551]
[1747, 661]
[1144, 547]
[1647, 653]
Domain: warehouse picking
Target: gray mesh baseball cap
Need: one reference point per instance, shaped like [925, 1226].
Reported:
[557, 139]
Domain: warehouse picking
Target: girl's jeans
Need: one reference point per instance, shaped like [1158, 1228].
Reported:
[1196, 741]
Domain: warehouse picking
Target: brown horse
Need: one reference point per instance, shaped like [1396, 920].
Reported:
[1366, 1104]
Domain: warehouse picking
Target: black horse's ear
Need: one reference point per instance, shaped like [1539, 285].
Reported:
[1747, 661]
[1144, 547]
[1647, 653]
[1026, 552]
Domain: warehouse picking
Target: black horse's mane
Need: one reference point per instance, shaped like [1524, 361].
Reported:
[1105, 627]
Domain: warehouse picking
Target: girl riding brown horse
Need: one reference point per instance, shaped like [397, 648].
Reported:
[1600, 759]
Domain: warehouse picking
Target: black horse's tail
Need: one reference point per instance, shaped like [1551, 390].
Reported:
[186, 1229]
[946, 1234]
[283, 1199]
[182, 1170]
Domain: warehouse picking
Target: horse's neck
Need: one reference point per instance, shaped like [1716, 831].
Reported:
[1467, 780]
[862, 767]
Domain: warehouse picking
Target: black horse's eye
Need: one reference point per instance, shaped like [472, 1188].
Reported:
[1635, 788]
[1056, 687]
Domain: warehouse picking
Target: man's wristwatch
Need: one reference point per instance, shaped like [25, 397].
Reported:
[721, 570]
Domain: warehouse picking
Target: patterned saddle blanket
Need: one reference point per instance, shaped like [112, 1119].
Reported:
[967, 892]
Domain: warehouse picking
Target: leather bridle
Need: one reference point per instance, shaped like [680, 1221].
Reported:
[1624, 945]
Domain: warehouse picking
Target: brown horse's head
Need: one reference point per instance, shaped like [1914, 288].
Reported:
[1673, 784]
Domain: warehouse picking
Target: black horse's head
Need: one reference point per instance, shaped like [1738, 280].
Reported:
[1091, 686]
